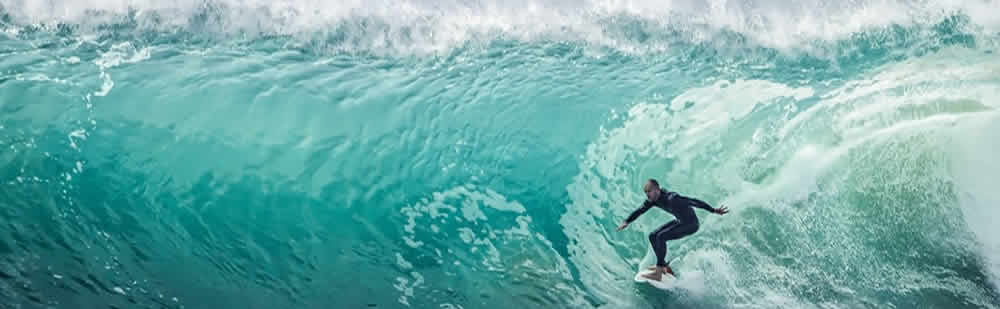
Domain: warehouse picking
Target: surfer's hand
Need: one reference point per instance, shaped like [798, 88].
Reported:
[622, 227]
[721, 210]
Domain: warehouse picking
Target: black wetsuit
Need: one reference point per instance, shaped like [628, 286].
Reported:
[686, 222]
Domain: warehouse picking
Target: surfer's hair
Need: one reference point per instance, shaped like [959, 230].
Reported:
[654, 182]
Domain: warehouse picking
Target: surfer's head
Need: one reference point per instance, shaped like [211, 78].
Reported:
[652, 189]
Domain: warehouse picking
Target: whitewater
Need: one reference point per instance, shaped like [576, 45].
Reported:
[480, 154]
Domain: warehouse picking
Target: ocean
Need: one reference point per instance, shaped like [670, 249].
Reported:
[481, 154]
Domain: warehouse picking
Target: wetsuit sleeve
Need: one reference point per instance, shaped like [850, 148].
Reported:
[638, 212]
[700, 204]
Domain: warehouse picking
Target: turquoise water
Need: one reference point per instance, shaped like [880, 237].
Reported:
[464, 154]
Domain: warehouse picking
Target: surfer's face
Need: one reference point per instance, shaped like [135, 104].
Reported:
[652, 192]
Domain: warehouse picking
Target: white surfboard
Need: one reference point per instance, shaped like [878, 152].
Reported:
[666, 280]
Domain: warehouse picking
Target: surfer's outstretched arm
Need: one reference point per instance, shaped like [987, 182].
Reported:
[638, 212]
[635, 214]
[700, 204]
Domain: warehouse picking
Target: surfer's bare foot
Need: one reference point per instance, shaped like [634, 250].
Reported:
[655, 276]
[664, 269]
[668, 270]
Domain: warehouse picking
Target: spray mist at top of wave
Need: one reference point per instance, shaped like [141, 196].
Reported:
[428, 26]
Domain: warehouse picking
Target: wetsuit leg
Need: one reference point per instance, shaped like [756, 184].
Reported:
[670, 231]
[660, 246]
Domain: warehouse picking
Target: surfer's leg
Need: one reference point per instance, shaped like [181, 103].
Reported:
[680, 231]
[671, 231]
[659, 243]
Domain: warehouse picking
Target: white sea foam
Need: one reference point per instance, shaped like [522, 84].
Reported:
[414, 25]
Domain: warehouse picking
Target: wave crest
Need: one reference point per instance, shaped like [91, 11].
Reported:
[629, 26]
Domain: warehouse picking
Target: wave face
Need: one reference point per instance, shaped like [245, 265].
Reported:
[473, 154]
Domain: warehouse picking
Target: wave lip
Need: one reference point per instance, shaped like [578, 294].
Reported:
[426, 26]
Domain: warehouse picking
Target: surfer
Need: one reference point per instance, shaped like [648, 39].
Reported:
[686, 222]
